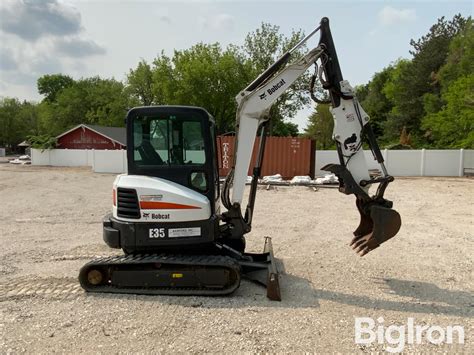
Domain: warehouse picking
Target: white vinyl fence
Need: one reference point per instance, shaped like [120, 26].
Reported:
[101, 161]
[422, 162]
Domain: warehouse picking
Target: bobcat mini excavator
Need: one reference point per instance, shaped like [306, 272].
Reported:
[166, 214]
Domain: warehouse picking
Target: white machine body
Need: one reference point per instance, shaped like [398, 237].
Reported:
[161, 200]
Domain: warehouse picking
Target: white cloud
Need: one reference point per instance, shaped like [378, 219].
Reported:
[7, 61]
[373, 32]
[223, 22]
[25, 60]
[78, 47]
[162, 14]
[390, 16]
[40, 37]
[30, 20]
[165, 19]
[218, 22]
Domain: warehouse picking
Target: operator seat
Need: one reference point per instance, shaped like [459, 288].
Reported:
[149, 154]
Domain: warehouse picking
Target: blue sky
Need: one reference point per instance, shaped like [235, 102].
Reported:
[107, 38]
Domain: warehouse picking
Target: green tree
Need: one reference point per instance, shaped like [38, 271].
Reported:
[52, 84]
[29, 116]
[460, 60]
[164, 80]
[449, 118]
[140, 82]
[203, 75]
[282, 128]
[42, 141]
[91, 100]
[208, 76]
[11, 128]
[17, 120]
[320, 127]
[453, 126]
[362, 91]
[374, 100]
[108, 101]
[411, 80]
[262, 48]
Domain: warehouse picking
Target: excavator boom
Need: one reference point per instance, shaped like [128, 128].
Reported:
[379, 222]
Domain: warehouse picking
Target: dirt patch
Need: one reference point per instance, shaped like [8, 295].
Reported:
[51, 226]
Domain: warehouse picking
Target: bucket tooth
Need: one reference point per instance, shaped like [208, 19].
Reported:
[363, 244]
[382, 224]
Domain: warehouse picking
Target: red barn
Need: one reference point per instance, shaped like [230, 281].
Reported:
[93, 137]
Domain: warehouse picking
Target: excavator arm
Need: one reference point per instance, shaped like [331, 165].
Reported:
[379, 222]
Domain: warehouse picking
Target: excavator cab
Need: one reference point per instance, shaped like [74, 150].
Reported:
[176, 143]
[166, 215]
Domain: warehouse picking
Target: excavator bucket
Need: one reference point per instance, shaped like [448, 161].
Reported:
[377, 225]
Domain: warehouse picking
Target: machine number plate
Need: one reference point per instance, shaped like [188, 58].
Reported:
[156, 233]
[184, 232]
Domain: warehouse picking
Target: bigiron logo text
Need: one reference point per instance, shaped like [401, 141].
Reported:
[395, 337]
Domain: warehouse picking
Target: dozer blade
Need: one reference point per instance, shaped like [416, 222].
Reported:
[377, 225]
[262, 269]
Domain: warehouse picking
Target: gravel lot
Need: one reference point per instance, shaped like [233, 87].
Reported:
[51, 226]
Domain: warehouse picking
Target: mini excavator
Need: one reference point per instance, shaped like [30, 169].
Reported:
[166, 215]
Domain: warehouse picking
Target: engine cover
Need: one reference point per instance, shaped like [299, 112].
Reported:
[159, 200]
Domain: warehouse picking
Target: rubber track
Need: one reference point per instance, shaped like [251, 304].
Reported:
[187, 260]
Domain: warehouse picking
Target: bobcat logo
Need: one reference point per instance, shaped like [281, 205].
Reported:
[263, 96]
[350, 143]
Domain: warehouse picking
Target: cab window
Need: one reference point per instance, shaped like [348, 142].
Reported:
[168, 140]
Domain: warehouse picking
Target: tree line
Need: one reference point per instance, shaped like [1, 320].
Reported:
[205, 75]
[425, 101]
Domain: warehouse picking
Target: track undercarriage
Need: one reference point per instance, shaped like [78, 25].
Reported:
[173, 274]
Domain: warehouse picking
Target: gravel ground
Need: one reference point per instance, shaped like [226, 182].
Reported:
[51, 226]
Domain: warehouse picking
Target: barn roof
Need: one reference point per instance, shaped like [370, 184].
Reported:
[117, 134]
[24, 144]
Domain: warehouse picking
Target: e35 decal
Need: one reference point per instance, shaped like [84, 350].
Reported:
[156, 233]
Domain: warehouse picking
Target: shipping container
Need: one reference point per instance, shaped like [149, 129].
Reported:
[287, 156]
